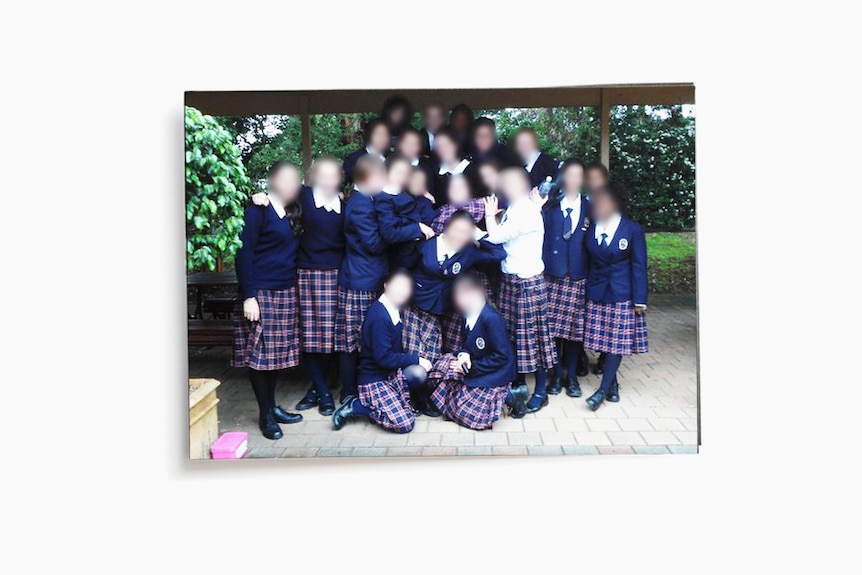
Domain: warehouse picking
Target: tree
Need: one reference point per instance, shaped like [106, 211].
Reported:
[217, 189]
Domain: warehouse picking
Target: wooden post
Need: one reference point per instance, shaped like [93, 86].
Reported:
[306, 132]
[605, 141]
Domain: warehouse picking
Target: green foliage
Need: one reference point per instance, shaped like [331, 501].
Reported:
[672, 263]
[217, 189]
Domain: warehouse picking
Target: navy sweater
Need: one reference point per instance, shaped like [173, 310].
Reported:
[566, 257]
[381, 352]
[433, 282]
[545, 166]
[618, 272]
[398, 218]
[321, 246]
[350, 163]
[366, 260]
[491, 352]
[267, 258]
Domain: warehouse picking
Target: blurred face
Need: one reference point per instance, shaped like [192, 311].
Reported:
[484, 138]
[602, 205]
[446, 149]
[459, 121]
[285, 184]
[399, 289]
[418, 184]
[409, 145]
[595, 179]
[525, 145]
[467, 299]
[514, 185]
[379, 140]
[375, 181]
[399, 175]
[459, 190]
[459, 234]
[396, 115]
[433, 118]
[490, 177]
[327, 177]
[573, 179]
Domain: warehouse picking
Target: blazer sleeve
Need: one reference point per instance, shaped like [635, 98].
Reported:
[364, 220]
[383, 354]
[488, 252]
[245, 255]
[497, 339]
[639, 266]
[391, 230]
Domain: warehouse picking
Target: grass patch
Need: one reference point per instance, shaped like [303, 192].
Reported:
[671, 263]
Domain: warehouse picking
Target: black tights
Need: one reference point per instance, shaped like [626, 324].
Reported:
[263, 385]
[612, 364]
[347, 365]
[318, 365]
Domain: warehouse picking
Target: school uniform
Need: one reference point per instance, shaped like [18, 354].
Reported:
[444, 174]
[498, 152]
[321, 249]
[363, 268]
[616, 282]
[266, 271]
[564, 254]
[398, 216]
[351, 159]
[382, 387]
[475, 207]
[428, 143]
[475, 400]
[523, 296]
[540, 166]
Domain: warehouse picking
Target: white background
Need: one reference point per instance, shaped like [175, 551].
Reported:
[94, 414]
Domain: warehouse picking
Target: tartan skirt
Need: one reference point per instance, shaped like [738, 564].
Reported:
[389, 403]
[452, 326]
[472, 407]
[615, 328]
[349, 315]
[421, 333]
[273, 342]
[567, 307]
[318, 302]
[523, 304]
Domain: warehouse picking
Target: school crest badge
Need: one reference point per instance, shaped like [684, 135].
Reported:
[624, 243]
[480, 343]
[456, 268]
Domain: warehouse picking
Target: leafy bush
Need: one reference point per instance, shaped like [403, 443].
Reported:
[217, 189]
[671, 263]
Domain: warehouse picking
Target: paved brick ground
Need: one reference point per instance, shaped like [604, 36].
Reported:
[657, 413]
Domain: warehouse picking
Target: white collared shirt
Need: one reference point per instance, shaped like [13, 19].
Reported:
[462, 165]
[533, 159]
[371, 152]
[609, 227]
[472, 318]
[394, 313]
[442, 254]
[391, 191]
[330, 205]
[521, 233]
[277, 205]
[575, 204]
[430, 139]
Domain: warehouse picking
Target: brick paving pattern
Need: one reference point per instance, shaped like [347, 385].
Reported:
[657, 413]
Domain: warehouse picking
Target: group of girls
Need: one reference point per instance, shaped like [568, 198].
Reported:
[439, 277]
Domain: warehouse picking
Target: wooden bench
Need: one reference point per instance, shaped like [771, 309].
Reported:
[210, 332]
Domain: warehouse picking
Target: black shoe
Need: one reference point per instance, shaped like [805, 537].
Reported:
[583, 364]
[343, 413]
[599, 368]
[269, 427]
[533, 407]
[614, 392]
[573, 389]
[282, 416]
[556, 384]
[310, 400]
[596, 400]
[518, 408]
[345, 397]
[425, 405]
[326, 405]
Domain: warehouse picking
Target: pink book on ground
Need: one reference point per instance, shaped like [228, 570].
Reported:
[231, 445]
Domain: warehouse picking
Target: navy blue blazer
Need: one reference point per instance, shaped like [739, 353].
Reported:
[491, 352]
[381, 352]
[566, 257]
[618, 272]
[432, 290]
[365, 257]
[497, 152]
[545, 166]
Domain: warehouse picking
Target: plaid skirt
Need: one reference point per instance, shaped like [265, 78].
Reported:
[615, 328]
[421, 333]
[349, 315]
[523, 304]
[452, 326]
[473, 407]
[273, 342]
[566, 307]
[389, 403]
[318, 302]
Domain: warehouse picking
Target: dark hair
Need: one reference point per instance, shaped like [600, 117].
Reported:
[452, 135]
[459, 215]
[598, 166]
[370, 127]
[294, 209]
[364, 166]
[391, 104]
[616, 192]
[569, 162]
[469, 280]
[395, 272]
[462, 109]
[393, 159]
[493, 162]
[486, 122]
